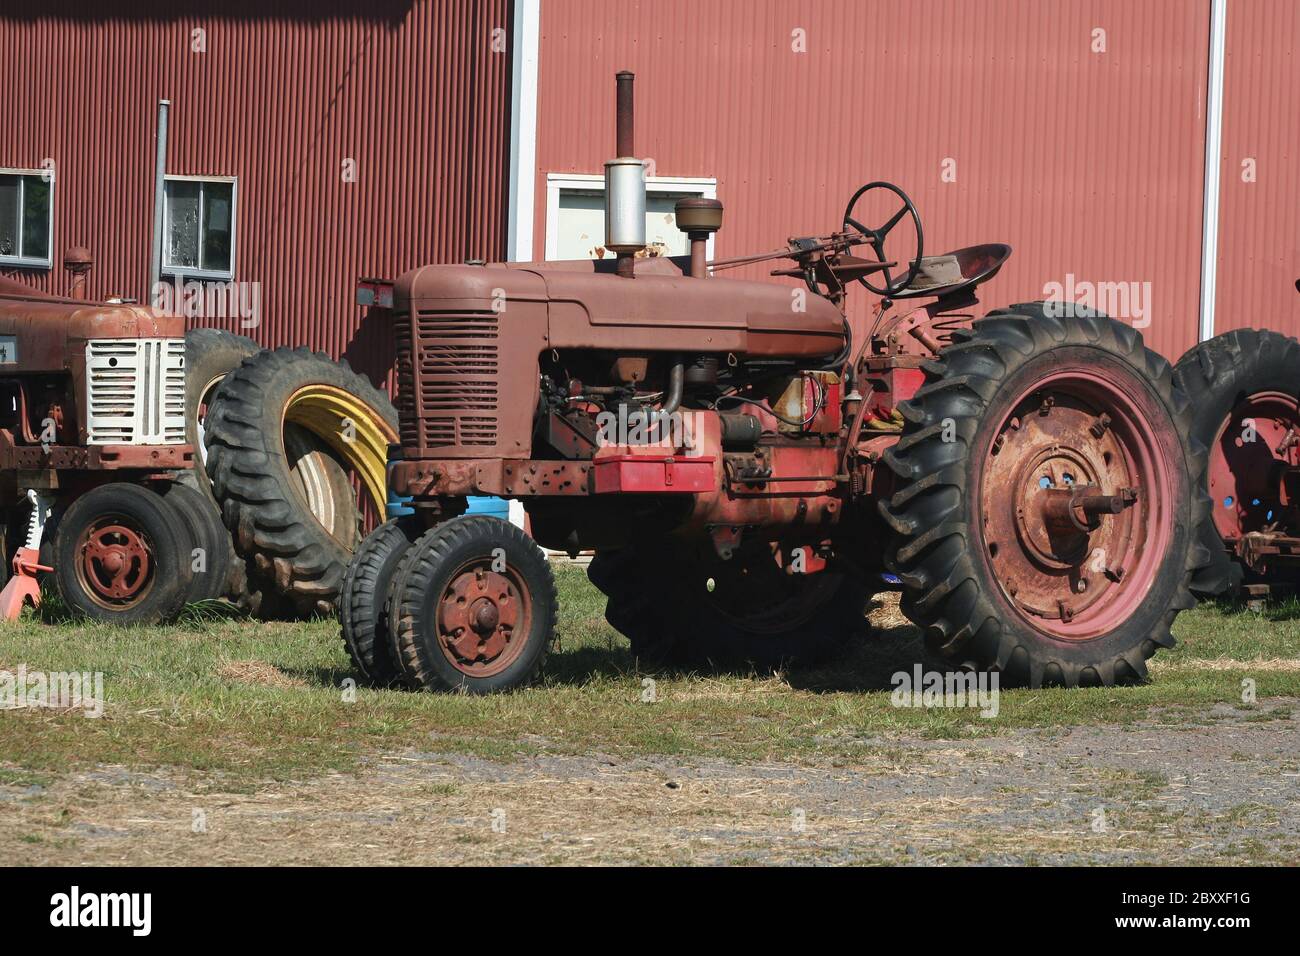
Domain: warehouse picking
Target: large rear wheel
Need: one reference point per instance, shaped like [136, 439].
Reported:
[1245, 391]
[1049, 512]
[682, 610]
[290, 436]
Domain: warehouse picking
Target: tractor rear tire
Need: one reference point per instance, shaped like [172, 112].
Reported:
[210, 355]
[122, 556]
[1021, 410]
[662, 603]
[364, 601]
[1243, 374]
[474, 607]
[212, 579]
[266, 501]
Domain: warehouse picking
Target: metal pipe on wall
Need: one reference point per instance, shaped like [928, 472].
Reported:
[159, 185]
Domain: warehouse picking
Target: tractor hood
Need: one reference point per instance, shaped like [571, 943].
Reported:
[587, 305]
[45, 333]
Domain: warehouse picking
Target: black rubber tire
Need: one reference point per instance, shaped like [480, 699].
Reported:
[210, 355]
[201, 516]
[1216, 375]
[166, 534]
[270, 522]
[424, 574]
[949, 590]
[364, 600]
[664, 610]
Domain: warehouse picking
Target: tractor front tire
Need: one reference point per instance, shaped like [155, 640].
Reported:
[364, 601]
[212, 577]
[122, 556]
[1049, 515]
[473, 608]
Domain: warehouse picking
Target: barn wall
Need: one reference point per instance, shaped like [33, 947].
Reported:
[285, 92]
[1259, 210]
[1089, 164]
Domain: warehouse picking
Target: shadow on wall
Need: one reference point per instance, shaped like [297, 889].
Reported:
[372, 350]
[392, 12]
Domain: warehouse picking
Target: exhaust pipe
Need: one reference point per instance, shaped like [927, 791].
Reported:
[625, 187]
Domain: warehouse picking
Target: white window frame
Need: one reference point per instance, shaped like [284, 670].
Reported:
[30, 262]
[194, 272]
[557, 183]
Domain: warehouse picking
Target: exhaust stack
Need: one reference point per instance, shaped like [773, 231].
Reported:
[625, 187]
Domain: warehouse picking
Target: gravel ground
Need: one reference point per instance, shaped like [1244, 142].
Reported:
[1220, 788]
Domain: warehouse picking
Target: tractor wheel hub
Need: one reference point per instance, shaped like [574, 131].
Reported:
[114, 562]
[478, 616]
[1067, 512]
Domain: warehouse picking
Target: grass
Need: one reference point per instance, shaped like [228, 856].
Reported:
[253, 702]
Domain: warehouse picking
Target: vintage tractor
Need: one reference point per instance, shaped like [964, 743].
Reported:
[751, 461]
[92, 432]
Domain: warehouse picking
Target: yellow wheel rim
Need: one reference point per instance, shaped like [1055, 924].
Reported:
[349, 426]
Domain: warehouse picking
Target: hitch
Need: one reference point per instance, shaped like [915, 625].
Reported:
[24, 586]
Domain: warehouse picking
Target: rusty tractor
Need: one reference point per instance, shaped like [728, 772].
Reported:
[751, 460]
[92, 436]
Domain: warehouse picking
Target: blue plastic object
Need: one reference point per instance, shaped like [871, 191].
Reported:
[492, 507]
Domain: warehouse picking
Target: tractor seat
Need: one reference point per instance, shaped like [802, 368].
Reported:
[955, 271]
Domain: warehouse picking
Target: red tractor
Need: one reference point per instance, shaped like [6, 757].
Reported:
[750, 461]
[92, 436]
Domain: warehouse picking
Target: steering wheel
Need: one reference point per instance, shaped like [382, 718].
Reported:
[876, 238]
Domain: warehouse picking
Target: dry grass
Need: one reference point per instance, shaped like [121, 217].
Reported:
[258, 674]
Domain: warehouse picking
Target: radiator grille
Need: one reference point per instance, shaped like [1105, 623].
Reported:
[447, 375]
[135, 391]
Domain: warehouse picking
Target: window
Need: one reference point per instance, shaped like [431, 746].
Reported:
[26, 218]
[199, 227]
[575, 214]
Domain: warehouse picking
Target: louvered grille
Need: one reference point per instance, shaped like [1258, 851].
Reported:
[447, 379]
[135, 391]
[408, 424]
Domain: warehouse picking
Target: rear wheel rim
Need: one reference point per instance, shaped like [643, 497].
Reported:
[483, 618]
[1246, 477]
[1073, 441]
[115, 562]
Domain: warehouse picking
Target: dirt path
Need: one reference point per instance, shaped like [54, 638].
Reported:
[1223, 790]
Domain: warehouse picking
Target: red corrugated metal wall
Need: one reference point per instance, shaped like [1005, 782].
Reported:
[1090, 164]
[414, 92]
[1259, 209]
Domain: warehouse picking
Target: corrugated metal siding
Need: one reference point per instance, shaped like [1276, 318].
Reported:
[1088, 164]
[1259, 222]
[412, 91]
